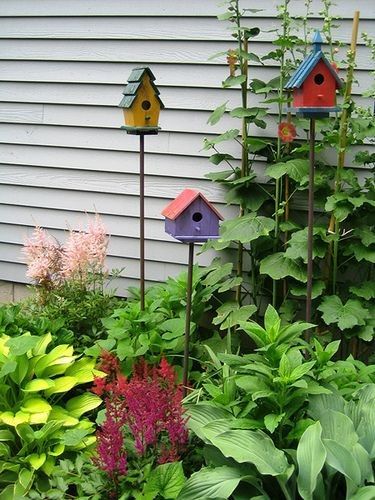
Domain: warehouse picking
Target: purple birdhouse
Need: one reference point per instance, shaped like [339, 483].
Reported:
[191, 218]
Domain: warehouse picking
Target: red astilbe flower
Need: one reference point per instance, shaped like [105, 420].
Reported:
[286, 131]
[148, 406]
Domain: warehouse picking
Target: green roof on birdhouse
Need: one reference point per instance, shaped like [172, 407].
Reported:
[134, 82]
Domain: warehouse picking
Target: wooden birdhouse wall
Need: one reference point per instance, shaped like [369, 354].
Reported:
[197, 222]
[145, 110]
[318, 90]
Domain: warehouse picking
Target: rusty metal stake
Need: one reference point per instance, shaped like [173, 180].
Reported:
[189, 290]
[142, 218]
[310, 221]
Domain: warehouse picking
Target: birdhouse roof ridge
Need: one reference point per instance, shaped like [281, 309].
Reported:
[177, 206]
[133, 85]
[309, 63]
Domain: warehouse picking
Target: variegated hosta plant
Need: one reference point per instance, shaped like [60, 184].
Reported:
[39, 423]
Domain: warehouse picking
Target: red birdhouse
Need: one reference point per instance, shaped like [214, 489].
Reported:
[191, 217]
[314, 84]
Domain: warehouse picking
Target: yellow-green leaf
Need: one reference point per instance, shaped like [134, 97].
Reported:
[36, 461]
[61, 384]
[81, 404]
[39, 384]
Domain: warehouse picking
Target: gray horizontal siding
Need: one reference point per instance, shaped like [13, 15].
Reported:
[63, 66]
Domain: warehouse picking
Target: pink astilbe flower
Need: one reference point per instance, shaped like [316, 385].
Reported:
[43, 258]
[85, 252]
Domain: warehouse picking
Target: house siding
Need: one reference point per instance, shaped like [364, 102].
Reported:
[63, 67]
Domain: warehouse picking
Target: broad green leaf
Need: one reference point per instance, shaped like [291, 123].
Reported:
[232, 81]
[216, 275]
[254, 447]
[246, 228]
[217, 114]
[365, 290]
[342, 460]
[42, 344]
[278, 266]
[248, 112]
[166, 480]
[38, 384]
[256, 332]
[8, 367]
[347, 315]
[20, 345]
[299, 290]
[271, 421]
[217, 158]
[62, 416]
[73, 437]
[227, 136]
[236, 316]
[201, 414]
[272, 322]
[311, 456]
[61, 384]
[254, 145]
[36, 461]
[81, 404]
[26, 433]
[364, 493]
[297, 246]
[219, 176]
[6, 435]
[36, 405]
[296, 169]
[9, 418]
[301, 370]
[218, 482]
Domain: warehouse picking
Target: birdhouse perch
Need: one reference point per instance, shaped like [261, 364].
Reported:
[314, 84]
[141, 103]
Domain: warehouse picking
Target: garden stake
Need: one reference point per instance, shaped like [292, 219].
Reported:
[141, 104]
[310, 221]
[314, 86]
[190, 218]
[189, 291]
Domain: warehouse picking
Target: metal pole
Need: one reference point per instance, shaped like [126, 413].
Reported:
[310, 221]
[189, 289]
[142, 218]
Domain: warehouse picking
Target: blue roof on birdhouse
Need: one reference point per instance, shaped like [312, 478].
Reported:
[303, 71]
[134, 82]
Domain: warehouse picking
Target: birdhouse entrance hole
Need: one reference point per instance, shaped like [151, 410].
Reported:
[197, 216]
[319, 79]
[146, 105]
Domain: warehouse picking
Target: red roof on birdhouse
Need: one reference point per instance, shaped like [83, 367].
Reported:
[183, 200]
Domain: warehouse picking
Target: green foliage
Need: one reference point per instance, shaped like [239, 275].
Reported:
[36, 426]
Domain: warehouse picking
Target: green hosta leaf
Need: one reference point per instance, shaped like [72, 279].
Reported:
[63, 417]
[297, 170]
[36, 405]
[42, 344]
[8, 367]
[217, 114]
[342, 460]
[9, 418]
[81, 404]
[346, 315]
[39, 384]
[36, 461]
[232, 81]
[254, 447]
[6, 435]
[20, 345]
[246, 228]
[364, 493]
[271, 421]
[62, 384]
[166, 480]
[366, 290]
[218, 482]
[201, 414]
[278, 266]
[311, 456]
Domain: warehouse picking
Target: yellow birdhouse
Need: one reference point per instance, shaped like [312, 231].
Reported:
[141, 103]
